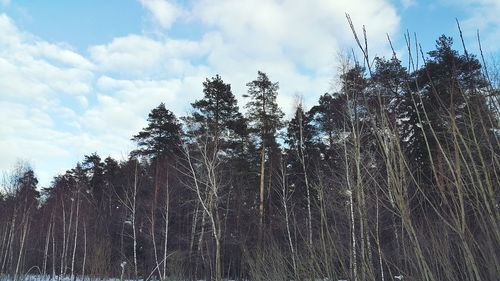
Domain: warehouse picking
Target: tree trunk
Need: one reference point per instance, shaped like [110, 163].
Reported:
[262, 186]
[73, 277]
[25, 228]
[284, 201]
[84, 250]
[133, 223]
[306, 180]
[46, 249]
[165, 246]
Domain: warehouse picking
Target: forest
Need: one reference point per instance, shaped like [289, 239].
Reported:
[395, 176]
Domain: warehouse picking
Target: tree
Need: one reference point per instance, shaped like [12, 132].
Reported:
[28, 199]
[447, 82]
[27, 191]
[265, 117]
[162, 135]
[300, 139]
[216, 116]
[328, 117]
[160, 141]
[217, 130]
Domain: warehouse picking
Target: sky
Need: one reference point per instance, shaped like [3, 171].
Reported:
[78, 77]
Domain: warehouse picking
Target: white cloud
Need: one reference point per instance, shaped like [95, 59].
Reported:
[164, 12]
[142, 56]
[39, 80]
[124, 109]
[60, 54]
[60, 104]
[128, 54]
[295, 42]
[305, 31]
[479, 15]
[28, 133]
[33, 68]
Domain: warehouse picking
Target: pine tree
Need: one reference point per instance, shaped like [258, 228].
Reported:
[265, 117]
[217, 130]
[302, 152]
[161, 136]
[328, 118]
[216, 117]
[160, 142]
[27, 192]
[447, 82]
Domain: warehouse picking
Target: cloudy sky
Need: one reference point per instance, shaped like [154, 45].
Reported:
[78, 77]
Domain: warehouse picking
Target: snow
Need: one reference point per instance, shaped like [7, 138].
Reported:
[400, 121]
[39, 277]
[408, 137]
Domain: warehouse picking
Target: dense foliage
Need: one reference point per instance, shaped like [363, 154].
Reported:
[396, 175]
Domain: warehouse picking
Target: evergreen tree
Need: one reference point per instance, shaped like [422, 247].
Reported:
[264, 114]
[93, 168]
[27, 191]
[447, 82]
[216, 117]
[302, 153]
[329, 118]
[162, 135]
[161, 143]
[265, 117]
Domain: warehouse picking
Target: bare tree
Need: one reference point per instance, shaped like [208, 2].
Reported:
[129, 201]
[285, 198]
[208, 197]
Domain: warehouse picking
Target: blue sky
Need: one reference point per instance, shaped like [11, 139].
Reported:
[78, 77]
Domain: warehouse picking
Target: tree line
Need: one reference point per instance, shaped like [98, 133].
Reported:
[395, 175]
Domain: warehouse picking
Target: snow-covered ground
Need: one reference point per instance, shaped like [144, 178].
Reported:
[34, 277]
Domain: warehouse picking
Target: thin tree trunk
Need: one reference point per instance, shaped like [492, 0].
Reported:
[262, 186]
[200, 239]
[193, 229]
[46, 249]
[5, 253]
[133, 223]
[381, 265]
[84, 249]
[210, 206]
[66, 247]
[353, 256]
[7, 263]
[153, 214]
[284, 199]
[306, 180]
[25, 229]
[165, 246]
[155, 250]
[53, 249]
[3, 249]
[73, 277]
[64, 238]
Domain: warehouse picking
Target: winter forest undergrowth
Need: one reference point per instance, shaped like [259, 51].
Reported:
[394, 176]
